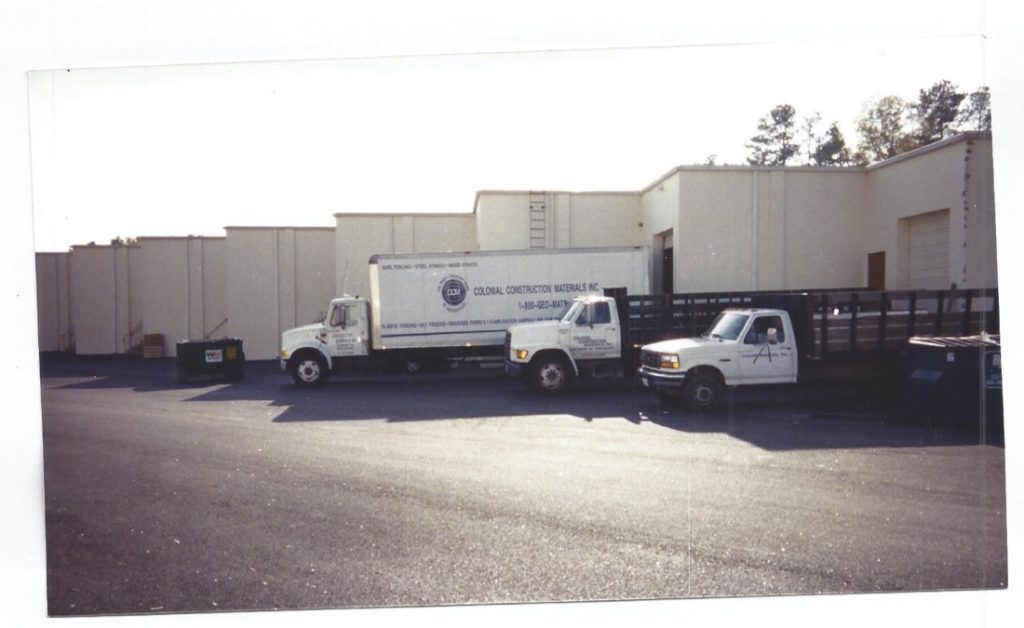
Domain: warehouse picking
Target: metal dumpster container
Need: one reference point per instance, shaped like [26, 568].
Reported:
[954, 381]
[210, 360]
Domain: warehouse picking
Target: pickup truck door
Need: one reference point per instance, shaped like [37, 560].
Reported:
[347, 329]
[595, 333]
[763, 361]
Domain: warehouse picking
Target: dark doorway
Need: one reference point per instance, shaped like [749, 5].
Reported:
[666, 269]
[876, 271]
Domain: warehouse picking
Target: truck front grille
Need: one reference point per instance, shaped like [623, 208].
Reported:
[651, 359]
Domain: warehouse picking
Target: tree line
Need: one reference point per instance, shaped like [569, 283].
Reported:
[886, 128]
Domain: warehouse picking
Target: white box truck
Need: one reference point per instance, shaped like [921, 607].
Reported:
[448, 306]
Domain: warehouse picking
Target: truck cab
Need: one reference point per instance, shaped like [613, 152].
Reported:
[740, 347]
[309, 353]
[585, 340]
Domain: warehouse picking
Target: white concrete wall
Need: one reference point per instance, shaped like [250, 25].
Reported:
[360, 236]
[277, 278]
[209, 266]
[819, 215]
[437, 233]
[598, 219]
[659, 213]
[92, 299]
[182, 281]
[101, 299]
[53, 295]
[503, 220]
[980, 221]
[928, 180]
[713, 243]
[572, 220]
[761, 228]
[314, 266]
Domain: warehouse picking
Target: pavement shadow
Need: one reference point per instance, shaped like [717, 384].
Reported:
[772, 418]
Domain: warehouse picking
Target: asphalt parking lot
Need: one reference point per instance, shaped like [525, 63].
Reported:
[463, 487]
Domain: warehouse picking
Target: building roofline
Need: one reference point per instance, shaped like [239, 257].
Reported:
[401, 214]
[917, 152]
[476, 200]
[188, 237]
[969, 136]
[94, 247]
[278, 228]
[739, 168]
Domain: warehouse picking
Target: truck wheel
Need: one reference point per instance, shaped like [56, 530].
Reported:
[551, 374]
[309, 369]
[703, 393]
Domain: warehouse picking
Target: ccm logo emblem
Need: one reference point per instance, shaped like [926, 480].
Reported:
[453, 291]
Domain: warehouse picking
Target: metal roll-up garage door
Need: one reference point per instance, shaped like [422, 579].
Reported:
[929, 250]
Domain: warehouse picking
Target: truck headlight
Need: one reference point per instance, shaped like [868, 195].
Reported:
[669, 361]
[522, 353]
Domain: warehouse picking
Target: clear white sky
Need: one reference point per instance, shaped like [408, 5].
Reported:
[189, 149]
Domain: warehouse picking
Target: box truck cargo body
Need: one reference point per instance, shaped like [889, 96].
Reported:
[443, 306]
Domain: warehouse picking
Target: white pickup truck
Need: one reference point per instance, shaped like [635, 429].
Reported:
[741, 347]
[748, 346]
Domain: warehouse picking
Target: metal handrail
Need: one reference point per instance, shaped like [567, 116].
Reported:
[127, 340]
[69, 335]
[211, 332]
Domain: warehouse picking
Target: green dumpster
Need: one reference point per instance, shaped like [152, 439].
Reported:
[210, 360]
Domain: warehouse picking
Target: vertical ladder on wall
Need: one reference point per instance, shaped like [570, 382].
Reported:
[538, 220]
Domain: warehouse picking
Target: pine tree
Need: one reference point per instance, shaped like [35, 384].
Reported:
[832, 150]
[774, 145]
[936, 110]
[975, 112]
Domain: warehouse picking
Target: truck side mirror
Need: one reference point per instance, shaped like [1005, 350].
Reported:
[773, 336]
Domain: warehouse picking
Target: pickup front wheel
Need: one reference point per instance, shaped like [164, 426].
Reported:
[550, 374]
[703, 393]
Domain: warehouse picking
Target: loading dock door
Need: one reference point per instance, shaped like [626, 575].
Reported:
[929, 250]
[876, 271]
[667, 269]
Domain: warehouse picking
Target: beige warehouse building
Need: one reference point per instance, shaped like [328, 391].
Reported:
[923, 220]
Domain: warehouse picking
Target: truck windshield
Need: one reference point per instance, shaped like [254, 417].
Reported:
[727, 326]
[571, 311]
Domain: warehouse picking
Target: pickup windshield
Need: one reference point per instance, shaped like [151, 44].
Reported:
[727, 326]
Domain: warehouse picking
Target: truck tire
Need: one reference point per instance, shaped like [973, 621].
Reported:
[703, 393]
[550, 374]
[309, 369]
